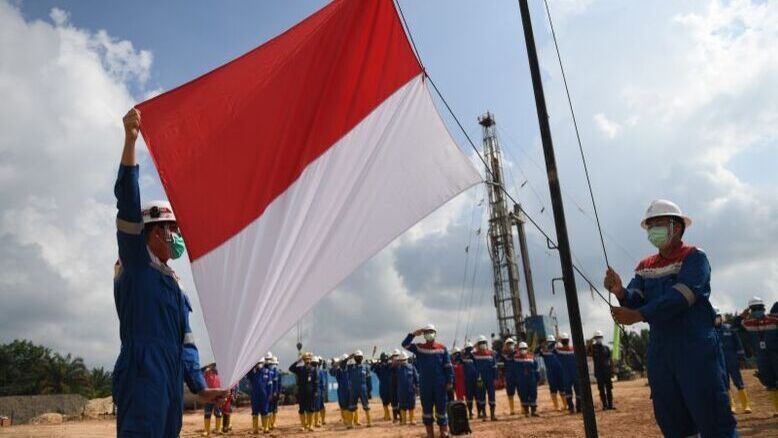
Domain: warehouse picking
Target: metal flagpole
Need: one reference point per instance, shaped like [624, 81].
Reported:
[563, 243]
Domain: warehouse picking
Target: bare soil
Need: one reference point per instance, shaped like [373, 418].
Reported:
[633, 418]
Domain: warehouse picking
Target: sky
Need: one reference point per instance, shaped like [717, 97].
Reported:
[674, 99]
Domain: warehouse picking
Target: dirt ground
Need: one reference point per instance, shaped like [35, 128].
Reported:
[633, 418]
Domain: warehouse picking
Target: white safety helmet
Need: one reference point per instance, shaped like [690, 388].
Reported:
[564, 336]
[662, 207]
[430, 328]
[597, 334]
[403, 356]
[755, 301]
[157, 211]
[468, 344]
[358, 353]
[275, 360]
[510, 341]
[481, 340]
[396, 352]
[550, 338]
[523, 345]
[269, 356]
[344, 357]
[455, 350]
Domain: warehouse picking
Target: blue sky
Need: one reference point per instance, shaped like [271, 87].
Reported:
[674, 100]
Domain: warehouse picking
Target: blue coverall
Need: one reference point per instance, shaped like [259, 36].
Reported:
[486, 364]
[686, 370]
[570, 380]
[435, 373]
[158, 352]
[527, 379]
[262, 390]
[510, 370]
[307, 386]
[323, 383]
[341, 376]
[764, 338]
[276, 374]
[407, 381]
[554, 375]
[358, 375]
[733, 350]
[384, 372]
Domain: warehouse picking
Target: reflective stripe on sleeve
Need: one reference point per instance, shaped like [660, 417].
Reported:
[129, 227]
[189, 338]
[686, 292]
[640, 293]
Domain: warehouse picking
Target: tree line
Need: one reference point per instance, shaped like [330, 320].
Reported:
[29, 369]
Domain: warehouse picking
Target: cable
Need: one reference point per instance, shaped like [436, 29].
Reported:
[577, 135]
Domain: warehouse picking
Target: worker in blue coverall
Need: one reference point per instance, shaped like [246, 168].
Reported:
[407, 383]
[733, 354]
[471, 377]
[307, 377]
[436, 377]
[553, 370]
[358, 374]
[383, 369]
[671, 291]
[570, 382]
[486, 364]
[763, 332]
[320, 416]
[339, 371]
[603, 369]
[276, 392]
[158, 352]
[528, 376]
[261, 381]
[395, 362]
[510, 371]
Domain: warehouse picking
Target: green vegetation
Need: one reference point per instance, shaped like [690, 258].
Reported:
[29, 369]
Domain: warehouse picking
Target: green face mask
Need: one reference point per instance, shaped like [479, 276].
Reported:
[177, 246]
[659, 236]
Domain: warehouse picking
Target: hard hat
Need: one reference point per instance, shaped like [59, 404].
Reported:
[269, 356]
[358, 353]
[396, 352]
[344, 357]
[550, 338]
[597, 334]
[307, 355]
[455, 350]
[157, 211]
[468, 344]
[403, 356]
[510, 341]
[275, 360]
[482, 339]
[523, 345]
[564, 336]
[430, 328]
[661, 207]
[755, 301]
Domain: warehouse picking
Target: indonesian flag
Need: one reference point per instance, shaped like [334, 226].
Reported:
[291, 165]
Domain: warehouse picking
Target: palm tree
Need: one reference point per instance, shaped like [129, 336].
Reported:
[102, 382]
[65, 375]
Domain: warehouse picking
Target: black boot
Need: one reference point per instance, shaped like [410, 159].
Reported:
[534, 411]
[470, 408]
[578, 405]
[491, 413]
[570, 406]
[609, 395]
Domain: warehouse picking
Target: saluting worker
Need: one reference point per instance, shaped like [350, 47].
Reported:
[158, 353]
[570, 381]
[407, 383]
[359, 374]
[554, 375]
[671, 292]
[307, 388]
[383, 369]
[510, 370]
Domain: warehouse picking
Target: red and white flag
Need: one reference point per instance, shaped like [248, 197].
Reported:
[291, 165]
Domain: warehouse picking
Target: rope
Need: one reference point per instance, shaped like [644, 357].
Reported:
[577, 136]
[464, 277]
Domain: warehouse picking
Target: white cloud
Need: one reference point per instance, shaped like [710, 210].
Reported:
[607, 127]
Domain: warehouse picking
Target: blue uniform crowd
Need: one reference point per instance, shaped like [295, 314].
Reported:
[692, 356]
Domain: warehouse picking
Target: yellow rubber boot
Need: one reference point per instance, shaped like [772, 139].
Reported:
[732, 404]
[355, 420]
[745, 404]
[323, 416]
[349, 418]
[255, 424]
[367, 418]
[386, 413]
[309, 420]
[272, 421]
[218, 429]
[555, 400]
[403, 417]
[266, 423]
[302, 422]
[207, 426]
[511, 406]
[317, 419]
[411, 421]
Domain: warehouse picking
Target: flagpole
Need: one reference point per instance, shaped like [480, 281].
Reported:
[563, 243]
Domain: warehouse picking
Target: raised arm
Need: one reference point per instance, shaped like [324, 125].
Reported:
[408, 343]
[129, 220]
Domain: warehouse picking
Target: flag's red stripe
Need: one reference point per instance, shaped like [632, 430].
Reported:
[230, 142]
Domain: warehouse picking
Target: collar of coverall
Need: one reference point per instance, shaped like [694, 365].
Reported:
[157, 264]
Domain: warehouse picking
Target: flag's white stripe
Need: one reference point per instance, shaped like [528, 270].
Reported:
[393, 169]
